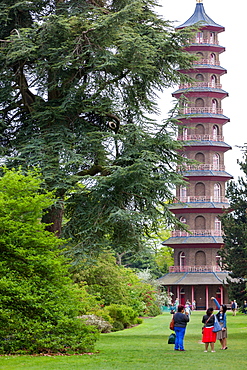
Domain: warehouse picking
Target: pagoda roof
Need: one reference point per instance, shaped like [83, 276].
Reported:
[200, 16]
[206, 173]
[196, 89]
[192, 143]
[194, 278]
[202, 115]
[191, 239]
[200, 205]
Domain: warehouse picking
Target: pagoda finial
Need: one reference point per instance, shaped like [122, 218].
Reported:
[199, 1]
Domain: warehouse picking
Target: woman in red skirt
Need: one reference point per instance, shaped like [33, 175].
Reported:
[208, 335]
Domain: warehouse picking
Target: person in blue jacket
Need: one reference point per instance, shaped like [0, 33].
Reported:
[180, 322]
[221, 316]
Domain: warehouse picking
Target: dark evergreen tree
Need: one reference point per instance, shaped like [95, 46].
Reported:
[234, 221]
[78, 82]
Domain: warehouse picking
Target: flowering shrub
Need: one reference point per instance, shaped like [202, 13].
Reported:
[102, 325]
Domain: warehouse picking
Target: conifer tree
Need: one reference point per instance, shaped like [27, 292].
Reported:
[234, 221]
[79, 81]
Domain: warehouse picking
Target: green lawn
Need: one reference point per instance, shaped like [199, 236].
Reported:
[145, 347]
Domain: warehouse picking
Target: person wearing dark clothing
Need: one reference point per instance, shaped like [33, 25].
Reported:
[208, 336]
[180, 322]
[245, 308]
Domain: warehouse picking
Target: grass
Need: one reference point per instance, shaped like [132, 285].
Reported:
[145, 347]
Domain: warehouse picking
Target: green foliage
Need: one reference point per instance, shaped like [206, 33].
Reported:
[122, 316]
[89, 302]
[78, 80]
[114, 284]
[164, 258]
[38, 304]
[234, 254]
[145, 347]
[102, 325]
[105, 279]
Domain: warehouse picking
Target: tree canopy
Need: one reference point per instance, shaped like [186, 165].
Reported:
[234, 221]
[79, 83]
[39, 304]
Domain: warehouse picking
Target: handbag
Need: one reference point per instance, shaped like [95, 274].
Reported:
[172, 324]
[217, 326]
[172, 338]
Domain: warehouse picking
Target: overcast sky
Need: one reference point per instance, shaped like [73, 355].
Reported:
[232, 16]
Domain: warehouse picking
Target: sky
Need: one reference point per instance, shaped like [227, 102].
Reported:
[232, 16]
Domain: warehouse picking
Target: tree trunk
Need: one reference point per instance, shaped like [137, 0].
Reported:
[53, 217]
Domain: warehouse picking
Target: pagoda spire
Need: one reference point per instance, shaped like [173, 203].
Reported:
[200, 17]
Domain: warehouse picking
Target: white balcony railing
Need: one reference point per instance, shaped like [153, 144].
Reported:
[202, 268]
[201, 137]
[205, 41]
[200, 84]
[200, 198]
[196, 110]
[181, 233]
[202, 167]
[207, 61]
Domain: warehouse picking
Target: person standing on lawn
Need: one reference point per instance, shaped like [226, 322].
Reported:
[221, 316]
[234, 307]
[208, 336]
[180, 322]
[245, 308]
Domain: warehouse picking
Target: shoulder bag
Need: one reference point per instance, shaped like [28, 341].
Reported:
[206, 323]
[217, 326]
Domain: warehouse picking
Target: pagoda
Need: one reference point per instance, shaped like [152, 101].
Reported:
[196, 274]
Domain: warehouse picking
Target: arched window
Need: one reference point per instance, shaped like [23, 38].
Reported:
[181, 261]
[212, 58]
[215, 132]
[212, 38]
[200, 157]
[200, 258]
[183, 193]
[199, 77]
[182, 219]
[199, 102]
[218, 260]
[200, 131]
[200, 190]
[217, 192]
[213, 80]
[185, 133]
[217, 224]
[184, 105]
[214, 106]
[200, 223]
[216, 162]
[200, 57]
[199, 37]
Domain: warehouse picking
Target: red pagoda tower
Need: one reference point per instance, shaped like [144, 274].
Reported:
[196, 274]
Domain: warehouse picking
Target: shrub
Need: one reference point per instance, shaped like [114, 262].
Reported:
[67, 336]
[39, 302]
[102, 325]
[117, 285]
[122, 313]
[118, 325]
